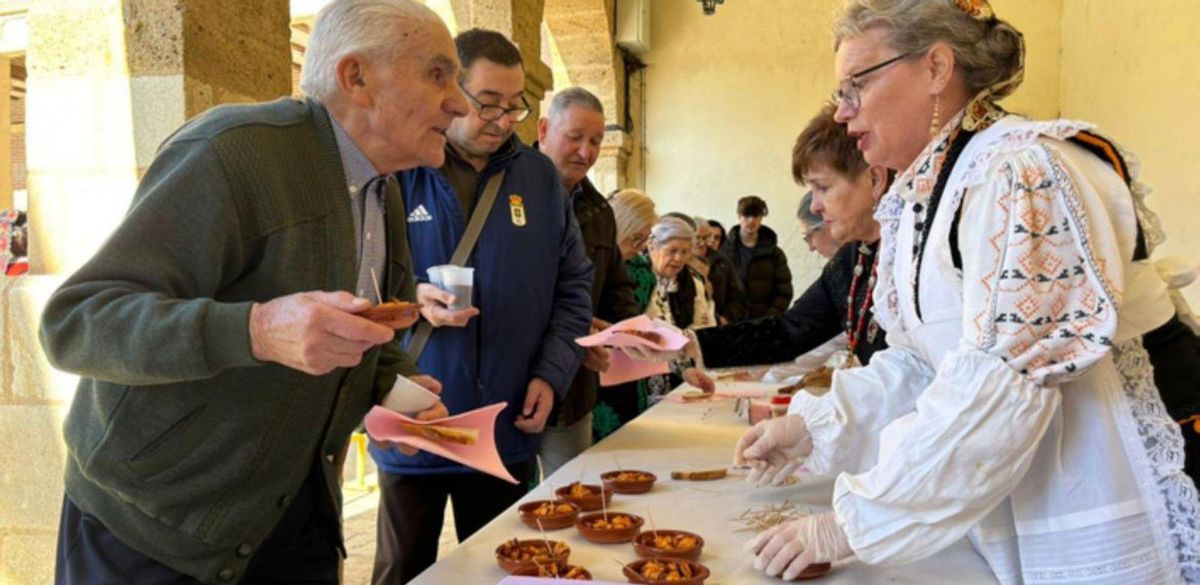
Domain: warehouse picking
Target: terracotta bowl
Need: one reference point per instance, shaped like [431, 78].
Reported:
[644, 545]
[813, 571]
[636, 486]
[553, 522]
[633, 572]
[588, 503]
[533, 571]
[511, 565]
[586, 527]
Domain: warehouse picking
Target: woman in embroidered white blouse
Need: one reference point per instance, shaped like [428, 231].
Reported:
[1017, 405]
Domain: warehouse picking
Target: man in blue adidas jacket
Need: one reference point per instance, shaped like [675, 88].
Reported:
[533, 291]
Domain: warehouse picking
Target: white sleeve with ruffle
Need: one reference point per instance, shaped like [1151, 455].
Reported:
[1040, 294]
[846, 421]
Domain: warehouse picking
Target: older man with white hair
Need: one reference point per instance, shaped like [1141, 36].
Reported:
[571, 135]
[217, 333]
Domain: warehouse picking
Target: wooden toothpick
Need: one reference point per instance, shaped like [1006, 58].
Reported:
[549, 549]
[378, 295]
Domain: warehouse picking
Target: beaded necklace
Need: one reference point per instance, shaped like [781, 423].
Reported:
[854, 328]
[923, 214]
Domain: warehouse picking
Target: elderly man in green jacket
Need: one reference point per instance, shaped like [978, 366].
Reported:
[223, 361]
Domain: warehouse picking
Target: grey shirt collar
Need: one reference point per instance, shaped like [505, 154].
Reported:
[359, 170]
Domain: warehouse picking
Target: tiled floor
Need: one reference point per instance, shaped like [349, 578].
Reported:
[358, 522]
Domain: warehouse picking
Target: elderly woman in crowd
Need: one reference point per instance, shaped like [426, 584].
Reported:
[680, 297]
[665, 289]
[728, 296]
[1018, 405]
[816, 235]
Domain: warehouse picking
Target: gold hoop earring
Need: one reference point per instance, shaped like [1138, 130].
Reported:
[936, 124]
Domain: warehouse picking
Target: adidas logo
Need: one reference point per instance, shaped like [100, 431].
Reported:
[419, 214]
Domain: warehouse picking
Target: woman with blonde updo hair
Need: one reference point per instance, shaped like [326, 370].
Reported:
[1037, 372]
[635, 215]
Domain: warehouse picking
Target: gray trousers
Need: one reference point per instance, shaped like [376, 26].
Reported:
[562, 444]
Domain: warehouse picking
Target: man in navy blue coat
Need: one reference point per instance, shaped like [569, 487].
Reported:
[532, 289]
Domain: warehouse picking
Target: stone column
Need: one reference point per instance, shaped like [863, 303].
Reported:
[108, 81]
[6, 183]
[582, 30]
[521, 21]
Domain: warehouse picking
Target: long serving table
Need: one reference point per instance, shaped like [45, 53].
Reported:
[678, 436]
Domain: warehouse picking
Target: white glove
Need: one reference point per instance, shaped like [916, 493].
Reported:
[789, 548]
[774, 448]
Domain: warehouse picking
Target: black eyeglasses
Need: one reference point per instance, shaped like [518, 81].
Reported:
[847, 93]
[491, 113]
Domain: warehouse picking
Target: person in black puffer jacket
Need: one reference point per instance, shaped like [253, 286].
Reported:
[760, 264]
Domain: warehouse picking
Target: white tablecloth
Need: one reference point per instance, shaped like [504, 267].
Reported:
[674, 436]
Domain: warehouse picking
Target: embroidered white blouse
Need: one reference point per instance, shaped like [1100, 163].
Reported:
[1016, 405]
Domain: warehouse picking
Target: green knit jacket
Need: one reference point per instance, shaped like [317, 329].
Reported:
[184, 445]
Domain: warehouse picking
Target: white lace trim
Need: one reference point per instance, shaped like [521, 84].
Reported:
[1158, 461]
[1020, 136]
[887, 298]
[1025, 133]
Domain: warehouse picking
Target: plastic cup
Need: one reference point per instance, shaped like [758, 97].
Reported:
[458, 281]
[435, 275]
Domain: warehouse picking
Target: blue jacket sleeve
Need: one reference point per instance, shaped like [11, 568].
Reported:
[559, 357]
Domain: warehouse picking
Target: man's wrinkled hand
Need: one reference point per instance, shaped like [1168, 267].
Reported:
[314, 332]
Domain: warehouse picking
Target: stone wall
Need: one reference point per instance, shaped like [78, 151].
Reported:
[33, 401]
[108, 81]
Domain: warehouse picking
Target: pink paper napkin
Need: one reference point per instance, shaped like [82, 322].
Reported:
[385, 425]
[623, 368]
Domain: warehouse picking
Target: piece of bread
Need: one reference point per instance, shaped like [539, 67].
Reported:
[821, 377]
[394, 314]
[650, 336]
[457, 435]
[699, 475]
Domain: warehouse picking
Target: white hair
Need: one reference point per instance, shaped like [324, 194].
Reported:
[374, 29]
[671, 228]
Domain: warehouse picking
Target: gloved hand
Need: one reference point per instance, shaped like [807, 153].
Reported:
[787, 549]
[774, 448]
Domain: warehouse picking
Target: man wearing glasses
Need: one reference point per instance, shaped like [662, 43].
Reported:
[531, 299]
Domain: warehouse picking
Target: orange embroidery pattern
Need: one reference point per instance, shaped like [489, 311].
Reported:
[1050, 316]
